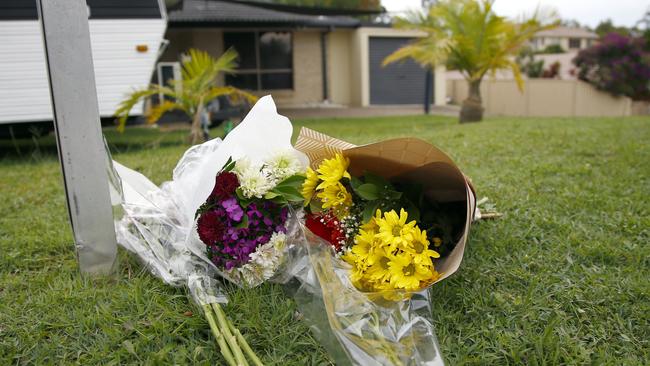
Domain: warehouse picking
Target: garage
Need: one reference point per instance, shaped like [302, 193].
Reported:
[398, 83]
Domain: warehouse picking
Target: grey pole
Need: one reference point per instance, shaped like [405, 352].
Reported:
[66, 40]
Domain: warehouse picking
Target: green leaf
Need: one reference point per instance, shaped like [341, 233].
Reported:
[369, 211]
[270, 195]
[315, 206]
[244, 222]
[368, 191]
[391, 194]
[377, 180]
[230, 164]
[280, 200]
[291, 194]
[295, 181]
[355, 182]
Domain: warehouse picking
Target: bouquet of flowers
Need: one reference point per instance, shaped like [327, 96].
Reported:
[244, 221]
[383, 223]
[196, 228]
[365, 219]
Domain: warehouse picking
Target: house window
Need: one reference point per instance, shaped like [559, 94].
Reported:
[574, 43]
[168, 71]
[265, 60]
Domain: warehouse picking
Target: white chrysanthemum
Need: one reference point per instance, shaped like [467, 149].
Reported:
[265, 261]
[252, 180]
[283, 164]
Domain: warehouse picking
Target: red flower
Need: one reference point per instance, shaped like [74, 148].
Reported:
[326, 226]
[225, 185]
[210, 227]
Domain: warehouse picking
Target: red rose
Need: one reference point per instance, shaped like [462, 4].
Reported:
[326, 226]
[225, 185]
[210, 227]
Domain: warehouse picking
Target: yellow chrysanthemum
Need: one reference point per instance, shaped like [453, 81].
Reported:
[335, 196]
[419, 248]
[309, 185]
[406, 274]
[390, 254]
[331, 171]
[371, 225]
[394, 231]
[378, 269]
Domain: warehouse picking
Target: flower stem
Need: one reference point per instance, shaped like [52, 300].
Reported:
[242, 341]
[232, 341]
[223, 346]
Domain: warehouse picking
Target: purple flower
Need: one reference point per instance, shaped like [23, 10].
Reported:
[233, 209]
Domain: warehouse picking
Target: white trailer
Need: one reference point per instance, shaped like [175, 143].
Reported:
[126, 38]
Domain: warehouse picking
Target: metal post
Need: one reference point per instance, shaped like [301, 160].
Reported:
[66, 40]
[428, 86]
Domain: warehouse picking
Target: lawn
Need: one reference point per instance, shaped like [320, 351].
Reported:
[561, 278]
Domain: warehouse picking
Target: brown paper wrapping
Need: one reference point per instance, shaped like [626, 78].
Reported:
[407, 160]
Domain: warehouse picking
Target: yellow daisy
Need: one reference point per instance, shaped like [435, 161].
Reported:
[394, 231]
[378, 269]
[331, 171]
[406, 274]
[334, 196]
[419, 248]
[371, 225]
[309, 185]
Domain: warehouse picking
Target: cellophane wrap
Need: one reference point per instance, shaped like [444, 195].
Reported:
[359, 328]
[389, 327]
[158, 223]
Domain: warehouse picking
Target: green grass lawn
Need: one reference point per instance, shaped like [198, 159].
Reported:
[562, 278]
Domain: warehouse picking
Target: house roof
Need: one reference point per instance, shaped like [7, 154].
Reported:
[234, 14]
[567, 32]
[99, 9]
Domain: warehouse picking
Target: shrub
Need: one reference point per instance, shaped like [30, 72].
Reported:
[617, 64]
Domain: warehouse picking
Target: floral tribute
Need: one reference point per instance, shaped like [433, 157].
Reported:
[385, 230]
[243, 222]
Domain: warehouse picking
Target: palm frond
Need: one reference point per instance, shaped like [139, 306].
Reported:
[158, 111]
[124, 108]
[234, 93]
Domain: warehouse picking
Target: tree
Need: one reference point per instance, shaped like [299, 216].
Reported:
[468, 36]
[617, 64]
[197, 87]
[606, 26]
[528, 65]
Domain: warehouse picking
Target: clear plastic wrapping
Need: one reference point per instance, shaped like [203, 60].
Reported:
[359, 328]
[158, 223]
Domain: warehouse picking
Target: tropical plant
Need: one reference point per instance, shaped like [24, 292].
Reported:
[617, 64]
[197, 87]
[468, 36]
[528, 64]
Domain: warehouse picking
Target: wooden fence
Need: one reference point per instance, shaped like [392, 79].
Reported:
[544, 98]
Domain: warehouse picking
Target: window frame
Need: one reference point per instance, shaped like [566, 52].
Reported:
[176, 70]
[258, 71]
[575, 39]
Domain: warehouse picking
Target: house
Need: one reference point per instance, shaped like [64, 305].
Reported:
[300, 56]
[570, 39]
[126, 36]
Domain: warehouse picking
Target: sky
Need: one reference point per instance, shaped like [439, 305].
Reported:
[589, 12]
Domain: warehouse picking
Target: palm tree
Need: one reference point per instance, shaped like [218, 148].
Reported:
[197, 87]
[468, 36]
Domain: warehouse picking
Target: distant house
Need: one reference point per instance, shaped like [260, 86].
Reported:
[569, 38]
[125, 36]
[301, 59]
